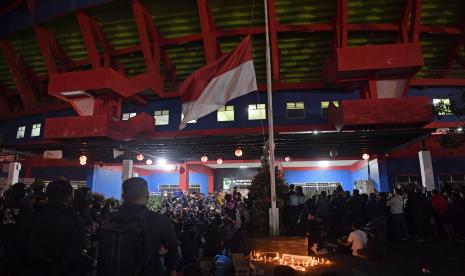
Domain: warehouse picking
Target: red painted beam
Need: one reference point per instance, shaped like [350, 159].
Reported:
[91, 34]
[184, 177]
[415, 22]
[273, 25]
[403, 22]
[51, 50]
[207, 27]
[21, 74]
[343, 22]
[149, 38]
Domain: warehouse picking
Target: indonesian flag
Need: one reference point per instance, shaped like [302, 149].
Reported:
[212, 86]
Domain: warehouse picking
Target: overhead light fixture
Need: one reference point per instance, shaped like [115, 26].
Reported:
[365, 156]
[238, 152]
[140, 157]
[204, 158]
[82, 160]
[323, 164]
[219, 161]
[148, 162]
[168, 167]
[459, 129]
[315, 132]
[243, 167]
[333, 153]
[161, 161]
[287, 158]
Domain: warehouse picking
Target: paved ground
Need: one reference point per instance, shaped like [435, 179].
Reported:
[406, 258]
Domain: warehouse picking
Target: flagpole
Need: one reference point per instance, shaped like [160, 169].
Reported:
[274, 224]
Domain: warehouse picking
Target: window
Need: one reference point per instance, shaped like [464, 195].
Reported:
[225, 113]
[190, 122]
[442, 106]
[162, 117]
[20, 133]
[257, 111]
[295, 110]
[325, 105]
[35, 130]
[127, 116]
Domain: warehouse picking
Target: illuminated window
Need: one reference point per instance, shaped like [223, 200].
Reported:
[35, 130]
[295, 110]
[162, 117]
[257, 111]
[443, 106]
[225, 113]
[190, 122]
[20, 133]
[325, 105]
[126, 116]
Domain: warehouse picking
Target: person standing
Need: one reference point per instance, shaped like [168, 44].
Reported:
[134, 239]
[53, 239]
[15, 211]
[396, 208]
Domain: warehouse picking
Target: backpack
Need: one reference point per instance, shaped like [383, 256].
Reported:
[122, 249]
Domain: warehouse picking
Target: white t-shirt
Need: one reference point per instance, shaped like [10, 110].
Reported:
[359, 239]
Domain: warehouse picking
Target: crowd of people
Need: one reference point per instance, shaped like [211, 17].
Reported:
[60, 231]
[404, 214]
[56, 230]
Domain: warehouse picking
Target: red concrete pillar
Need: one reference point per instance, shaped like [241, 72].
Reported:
[184, 177]
[210, 182]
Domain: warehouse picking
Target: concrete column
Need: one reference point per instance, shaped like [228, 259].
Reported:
[426, 167]
[127, 169]
[184, 177]
[13, 173]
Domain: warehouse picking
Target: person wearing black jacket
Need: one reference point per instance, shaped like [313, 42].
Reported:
[53, 239]
[15, 210]
[160, 234]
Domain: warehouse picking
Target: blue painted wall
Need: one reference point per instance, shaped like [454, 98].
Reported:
[200, 179]
[312, 100]
[106, 182]
[343, 176]
[157, 179]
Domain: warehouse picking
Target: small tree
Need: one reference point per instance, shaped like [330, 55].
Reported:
[451, 137]
[260, 197]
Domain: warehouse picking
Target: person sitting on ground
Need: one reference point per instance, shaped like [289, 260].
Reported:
[357, 241]
[143, 237]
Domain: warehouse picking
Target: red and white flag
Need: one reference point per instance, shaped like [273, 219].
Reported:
[212, 86]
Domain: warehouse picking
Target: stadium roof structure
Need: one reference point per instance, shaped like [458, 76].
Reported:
[192, 33]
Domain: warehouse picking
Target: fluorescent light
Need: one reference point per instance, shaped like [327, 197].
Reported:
[315, 132]
[168, 167]
[460, 129]
[161, 161]
[323, 164]
[243, 167]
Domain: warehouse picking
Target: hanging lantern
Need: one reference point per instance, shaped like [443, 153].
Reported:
[82, 160]
[204, 158]
[140, 157]
[366, 156]
[219, 161]
[287, 158]
[148, 162]
[238, 152]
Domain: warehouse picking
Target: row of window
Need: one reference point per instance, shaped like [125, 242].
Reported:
[294, 110]
[35, 131]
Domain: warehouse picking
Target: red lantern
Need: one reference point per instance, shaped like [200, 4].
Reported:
[238, 152]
